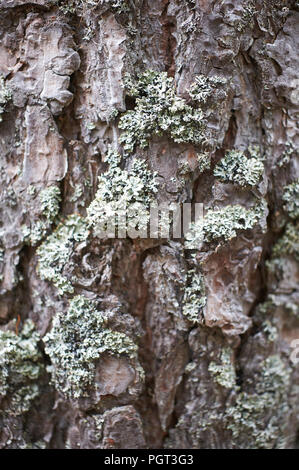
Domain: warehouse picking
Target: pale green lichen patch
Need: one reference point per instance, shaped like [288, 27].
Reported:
[251, 419]
[194, 298]
[288, 244]
[204, 161]
[20, 368]
[77, 341]
[291, 199]
[122, 192]
[204, 87]
[224, 372]
[223, 225]
[55, 252]
[5, 96]
[159, 110]
[50, 200]
[236, 168]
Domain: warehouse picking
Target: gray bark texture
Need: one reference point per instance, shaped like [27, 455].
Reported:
[111, 343]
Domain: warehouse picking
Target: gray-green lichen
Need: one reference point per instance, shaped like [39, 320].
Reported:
[158, 110]
[79, 7]
[5, 96]
[223, 225]
[236, 168]
[224, 372]
[75, 344]
[251, 420]
[204, 87]
[288, 244]
[20, 368]
[203, 161]
[291, 199]
[50, 199]
[194, 298]
[56, 250]
[120, 191]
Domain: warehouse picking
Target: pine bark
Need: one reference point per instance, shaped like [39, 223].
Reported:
[227, 379]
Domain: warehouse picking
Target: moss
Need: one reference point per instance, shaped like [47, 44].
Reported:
[291, 199]
[129, 192]
[224, 373]
[5, 96]
[56, 251]
[251, 419]
[236, 168]
[223, 225]
[194, 298]
[21, 367]
[50, 199]
[77, 341]
[158, 110]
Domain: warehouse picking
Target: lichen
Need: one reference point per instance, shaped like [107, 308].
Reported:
[158, 110]
[194, 298]
[224, 373]
[223, 225]
[203, 161]
[5, 96]
[236, 168]
[291, 199]
[288, 244]
[204, 87]
[20, 368]
[122, 192]
[251, 419]
[56, 251]
[50, 199]
[76, 342]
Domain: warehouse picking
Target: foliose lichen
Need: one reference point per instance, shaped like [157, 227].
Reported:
[20, 368]
[236, 168]
[158, 110]
[194, 298]
[5, 96]
[291, 199]
[55, 252]
[204, 161]
[223, 225]
[75, 344]
[251, 419]
[224, 372]
[120, 191]
[204, 87]
[50, 199]
[288, 244]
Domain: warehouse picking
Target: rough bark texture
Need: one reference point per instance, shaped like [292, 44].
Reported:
[153, 344]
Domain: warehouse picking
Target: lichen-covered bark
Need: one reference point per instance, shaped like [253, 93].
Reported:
[152, 342]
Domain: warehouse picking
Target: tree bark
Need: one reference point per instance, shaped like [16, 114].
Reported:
[149, 342]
